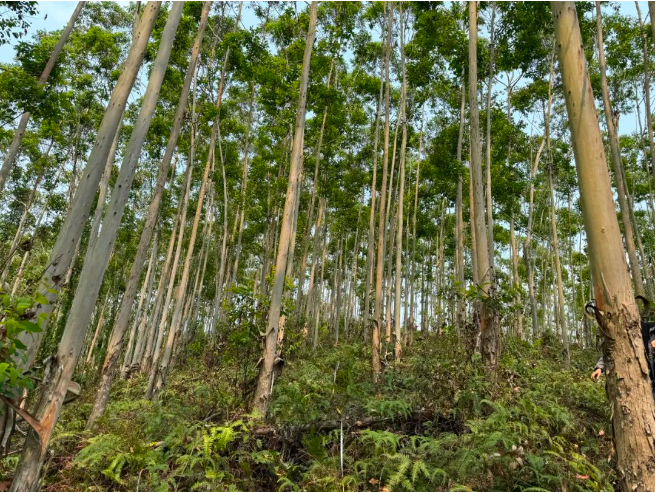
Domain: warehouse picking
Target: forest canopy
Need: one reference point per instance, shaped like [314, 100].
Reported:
[327, 246]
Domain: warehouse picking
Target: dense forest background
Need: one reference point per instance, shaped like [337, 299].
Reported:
[326, 246]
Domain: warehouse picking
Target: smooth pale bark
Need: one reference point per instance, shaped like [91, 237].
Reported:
[244, 184]
[310, 216]
[158, 374]
[530, 271]
[472, 227]
[144, 302]
[12, 152]
[118, 334]
[559, 273]
[372, 217]
[414, 231]
[68, 351]
[66, 245]
[317, 296]
[398, 345]
[461, 308]
[616, 159]
[315, 259]
[488, 146]
[519, 330]
[101, 321]
[102, 191]
[380, 253]
[265, 378]
[628, 383]
[485, 312]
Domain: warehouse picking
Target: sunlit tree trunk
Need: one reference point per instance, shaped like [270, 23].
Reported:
[398, 345]
[616, 159]
[461, 313]
[65, 248]
[265, 379]
[488, 145]
[118, 334]
[63, 365]
[628, 383]
[486, 314]
[372, 216]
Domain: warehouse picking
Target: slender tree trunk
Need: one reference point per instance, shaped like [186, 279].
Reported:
[56, 384]
[265, 379]
[398, 345]
[414, 229]
[519, 330]
[372, 215]
[65, 248]
[116, 342]
[101, 321]
[559, 272]
[380, 261]
[530, 273]
[102, 192]
[11, 154]
[319, 288]
[306, 235]
[144, 302]
[627, 375]
[616, 159]
[488, 146]
[461, 308]
[315, 260]
[487, 317]
[244, 184]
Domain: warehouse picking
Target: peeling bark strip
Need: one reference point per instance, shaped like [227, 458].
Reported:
[627, 382]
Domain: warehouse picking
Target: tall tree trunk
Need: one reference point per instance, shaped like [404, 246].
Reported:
[142, 308]
[616, 159]
[310, 216]
[627, 374]
[102, 191]
[414, 229]
[244, 184]
[398, 345]
[372, 215]
[530, 272]
[62, 367]
[265, 379]
[65, 248]
[315, 259]
[559, 272]
[380, 253]
[519, 330]
[461, 308]
[11, 154]
[488, 146]
[487, 317]
[118, 334]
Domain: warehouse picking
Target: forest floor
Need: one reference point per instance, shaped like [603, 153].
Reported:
[433, 422]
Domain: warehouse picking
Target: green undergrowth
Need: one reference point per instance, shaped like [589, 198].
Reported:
[436, 421]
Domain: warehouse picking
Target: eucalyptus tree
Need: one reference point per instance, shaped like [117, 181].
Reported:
[118, 332]
[627, 382]
[61, 371]
[265, 379]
